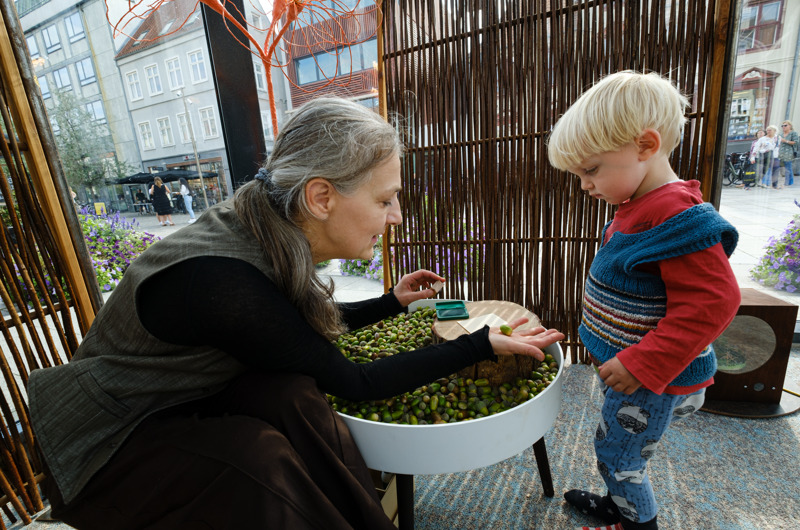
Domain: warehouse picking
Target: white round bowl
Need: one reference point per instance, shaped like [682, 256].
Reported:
[460, 446]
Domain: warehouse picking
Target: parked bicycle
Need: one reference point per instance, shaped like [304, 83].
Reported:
[738, 170]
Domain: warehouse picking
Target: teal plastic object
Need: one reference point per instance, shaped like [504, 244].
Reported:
[452, 310]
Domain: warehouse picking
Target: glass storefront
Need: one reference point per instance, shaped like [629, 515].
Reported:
[763, 102]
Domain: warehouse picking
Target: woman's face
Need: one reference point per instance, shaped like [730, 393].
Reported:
[356, 221]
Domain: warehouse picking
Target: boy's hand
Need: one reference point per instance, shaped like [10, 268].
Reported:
[617, 377]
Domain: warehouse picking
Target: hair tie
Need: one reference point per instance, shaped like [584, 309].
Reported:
[264, 175]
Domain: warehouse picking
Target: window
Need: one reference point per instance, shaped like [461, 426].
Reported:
[331, 8]
[208, 122]
[194, 18]
[85, 71]
[33, 48]
[183, 125]
[323, 65]
[266, 124]
[44, 86]
[61, 77]
[174, 73]
[315, 68]
[146, 135]
[153, 79]
[166, 27]
[165, 130]
[141, 38]
[74, 27]
[51, 40]
[369, 54]
[370, 103]
[261, 79]
[343, 6]
[54, 126]
[134, 87]
[760, 26]
[198, 66]
[358, 57]
[95, 109]
[258, 22]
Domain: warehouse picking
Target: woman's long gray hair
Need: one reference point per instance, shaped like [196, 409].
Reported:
[335, 139]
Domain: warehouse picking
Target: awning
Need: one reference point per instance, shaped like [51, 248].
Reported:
[170, 175]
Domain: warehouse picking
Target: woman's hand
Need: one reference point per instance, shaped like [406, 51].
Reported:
[617, 377]
[416, 286]
[523, 342]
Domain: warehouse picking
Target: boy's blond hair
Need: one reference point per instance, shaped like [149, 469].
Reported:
[613, 113]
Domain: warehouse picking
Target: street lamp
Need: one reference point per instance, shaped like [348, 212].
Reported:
[194, 145]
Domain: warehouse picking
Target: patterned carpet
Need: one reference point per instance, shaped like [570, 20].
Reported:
[712, 472]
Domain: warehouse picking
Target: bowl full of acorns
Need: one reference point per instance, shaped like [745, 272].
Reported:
[471, 419]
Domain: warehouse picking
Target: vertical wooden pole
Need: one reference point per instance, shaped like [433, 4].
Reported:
[718, 90]
[387, 277]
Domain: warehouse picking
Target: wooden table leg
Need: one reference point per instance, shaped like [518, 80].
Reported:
[405, 501]
[540, 452]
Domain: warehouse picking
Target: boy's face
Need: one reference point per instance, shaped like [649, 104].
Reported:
[615, 176]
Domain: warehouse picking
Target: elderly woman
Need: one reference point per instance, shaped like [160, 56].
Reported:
[216, 417]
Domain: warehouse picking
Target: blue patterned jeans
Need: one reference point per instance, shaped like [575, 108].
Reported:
[627, 436]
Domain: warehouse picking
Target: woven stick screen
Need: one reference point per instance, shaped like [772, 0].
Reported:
[48, 293]
[476, 86]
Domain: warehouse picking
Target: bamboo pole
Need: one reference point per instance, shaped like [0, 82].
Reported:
[42, 179]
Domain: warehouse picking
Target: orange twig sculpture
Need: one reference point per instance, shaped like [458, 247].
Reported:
[312, 24]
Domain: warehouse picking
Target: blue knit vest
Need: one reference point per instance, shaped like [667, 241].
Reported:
[622, 304]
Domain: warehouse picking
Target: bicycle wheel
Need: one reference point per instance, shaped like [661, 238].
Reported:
[728, 175]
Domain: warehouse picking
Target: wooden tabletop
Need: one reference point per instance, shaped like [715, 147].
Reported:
[507, 367]
[508, 311]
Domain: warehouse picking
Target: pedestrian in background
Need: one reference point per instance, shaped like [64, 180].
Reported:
[186, 193]
[787, 151]
[751, 157]
[160, 194]
[763, 157]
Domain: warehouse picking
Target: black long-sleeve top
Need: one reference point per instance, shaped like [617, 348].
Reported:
[229, 304]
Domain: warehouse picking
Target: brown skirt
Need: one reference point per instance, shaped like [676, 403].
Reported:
[267, 452]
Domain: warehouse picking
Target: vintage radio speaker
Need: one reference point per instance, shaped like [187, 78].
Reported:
[753, 354]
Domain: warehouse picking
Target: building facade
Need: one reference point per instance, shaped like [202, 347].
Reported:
[72, 51]
[342, 61]
[767, 74]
